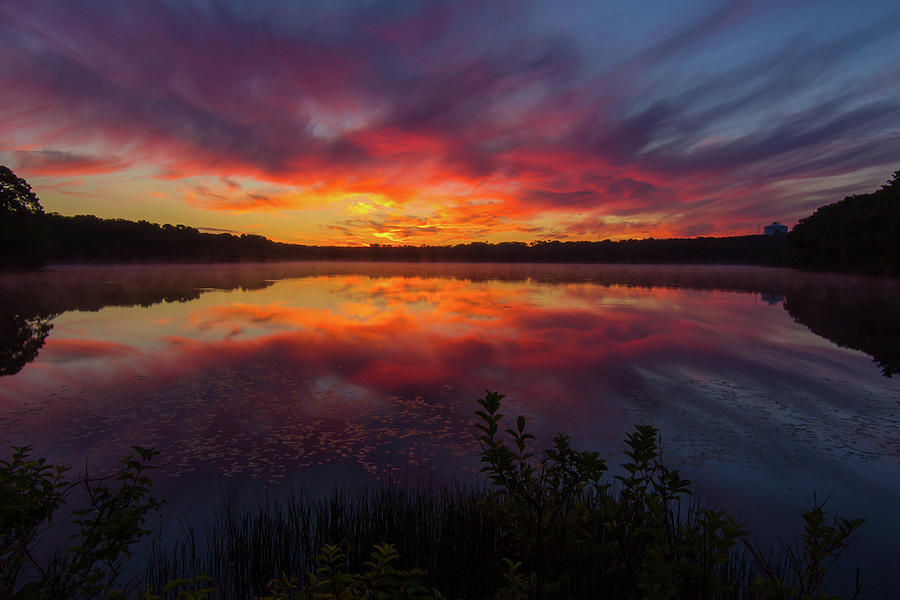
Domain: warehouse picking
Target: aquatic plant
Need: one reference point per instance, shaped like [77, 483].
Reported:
[549, 525]
[448, 532]
[91, 563]
[578, 536]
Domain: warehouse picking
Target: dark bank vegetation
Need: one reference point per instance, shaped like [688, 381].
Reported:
[24, 237]
[860, 317]
[550, 523]
[92, 561]
[859, 234]
[29, 238]
[88, 239]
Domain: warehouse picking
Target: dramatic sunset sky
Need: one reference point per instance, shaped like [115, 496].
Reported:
[355, 122]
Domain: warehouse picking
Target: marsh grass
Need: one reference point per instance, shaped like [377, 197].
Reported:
[456, 533]
[551, 524]
[449, 531]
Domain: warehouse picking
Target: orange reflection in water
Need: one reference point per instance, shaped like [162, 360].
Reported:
[350, 377]
[351, 368]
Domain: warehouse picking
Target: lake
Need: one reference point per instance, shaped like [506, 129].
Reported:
[768, 385]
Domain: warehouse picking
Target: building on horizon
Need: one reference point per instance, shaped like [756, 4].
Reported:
[775, 228]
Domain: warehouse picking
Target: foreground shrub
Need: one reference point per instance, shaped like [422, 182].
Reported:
[549, 525]
[92, 560]
[381, 579]
[578, 537]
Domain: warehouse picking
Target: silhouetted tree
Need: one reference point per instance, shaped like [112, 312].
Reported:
[860, 233]
[24, 239]
[20, 340]
[862, 317]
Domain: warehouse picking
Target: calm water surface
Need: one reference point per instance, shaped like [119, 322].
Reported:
[768, 385]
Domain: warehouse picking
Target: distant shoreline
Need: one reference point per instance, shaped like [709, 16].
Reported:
[860, 234]
[87, 239]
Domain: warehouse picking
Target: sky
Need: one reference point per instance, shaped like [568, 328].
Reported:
[431, 122]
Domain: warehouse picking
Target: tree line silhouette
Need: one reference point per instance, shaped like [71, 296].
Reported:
[858, 234]
[90, 239]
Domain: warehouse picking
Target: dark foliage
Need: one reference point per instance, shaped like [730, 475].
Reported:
[448, 532]
[24, 239]
[20, 340]
[88, 239]
[93, 560]
[863, 318]
[859, 234]
[551, 525]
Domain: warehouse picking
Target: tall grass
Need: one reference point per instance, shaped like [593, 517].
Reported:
[453, 533]
[549, 525]
[450, 532]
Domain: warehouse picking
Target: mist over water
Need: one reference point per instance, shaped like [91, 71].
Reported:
[768, 385]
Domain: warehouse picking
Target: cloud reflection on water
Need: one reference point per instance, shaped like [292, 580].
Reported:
[251, 375]
[344, 367]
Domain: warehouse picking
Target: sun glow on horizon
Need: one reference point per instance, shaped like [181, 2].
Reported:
[419, 123]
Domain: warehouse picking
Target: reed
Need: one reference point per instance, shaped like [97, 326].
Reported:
[450, 532]
[550, 524]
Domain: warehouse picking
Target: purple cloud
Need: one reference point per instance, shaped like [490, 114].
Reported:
[674, 115]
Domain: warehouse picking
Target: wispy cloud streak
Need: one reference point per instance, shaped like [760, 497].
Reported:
[518, 117]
